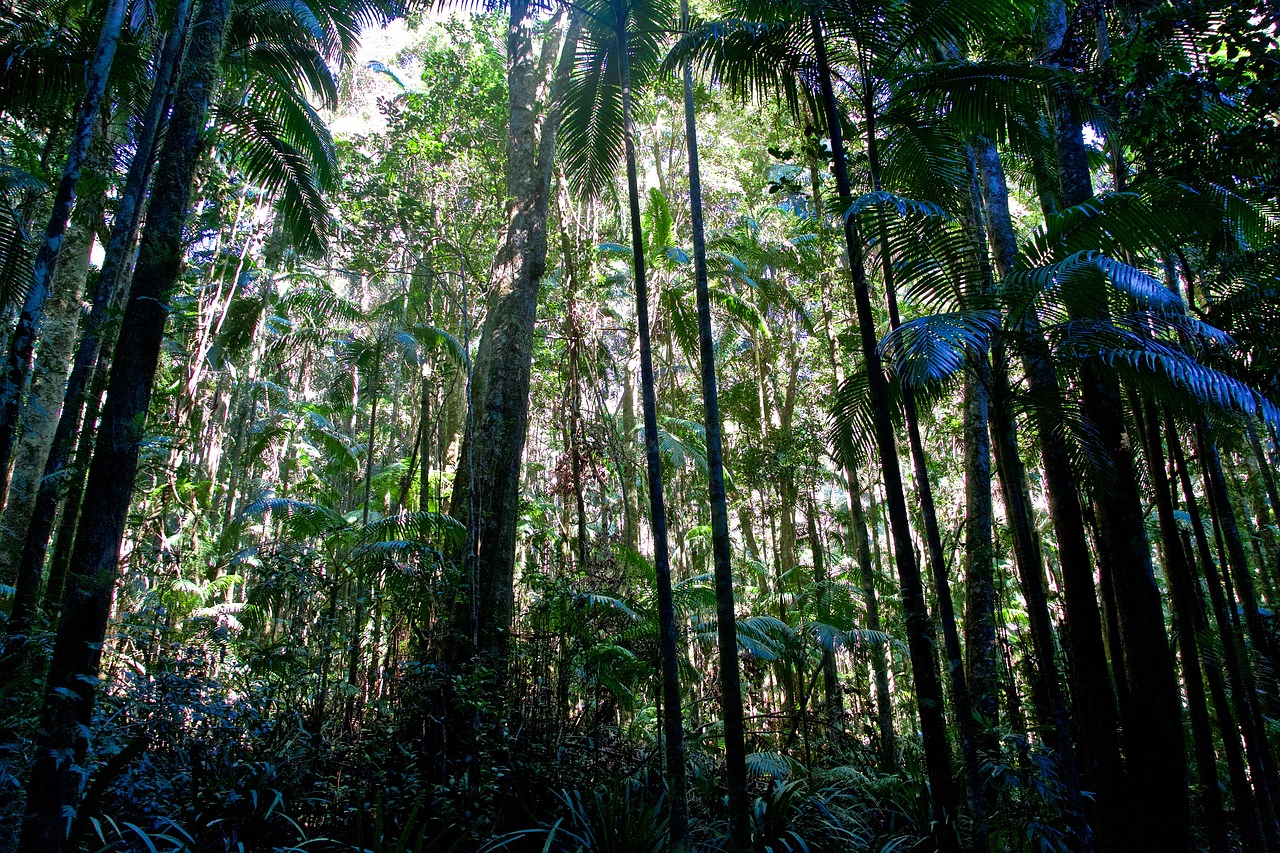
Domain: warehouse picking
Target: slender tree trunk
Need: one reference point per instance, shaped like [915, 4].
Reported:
[920, 632]
[1240, 677]
[857, 540]
[70, 691]
[973, 681]
[22, 344]
[830, 674]
[1183, 592]
[1236, 559]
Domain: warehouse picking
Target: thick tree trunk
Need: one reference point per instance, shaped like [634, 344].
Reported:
[70, 691]
[979, 565]
[1093, 696]
[111, 279]
[1184, 592]
[486, 489]
[1153, 739]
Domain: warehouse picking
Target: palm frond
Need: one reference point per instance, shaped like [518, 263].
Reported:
[930, 350]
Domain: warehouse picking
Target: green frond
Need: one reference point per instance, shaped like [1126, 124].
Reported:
[302, 520]
[1082, 284]
[417, 527]
[752, 59]
[1000, 100]
[852, 426]
[1161, 369]
[268, 157]
[930, 350]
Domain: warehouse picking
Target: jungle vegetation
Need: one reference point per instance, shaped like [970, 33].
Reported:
[639, 425]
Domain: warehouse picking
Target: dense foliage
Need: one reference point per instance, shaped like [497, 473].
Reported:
[809, 425]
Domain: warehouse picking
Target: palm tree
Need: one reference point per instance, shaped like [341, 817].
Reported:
[69, 697]
[614, 63]
[22, 344]
[34, 522]
[70, 693]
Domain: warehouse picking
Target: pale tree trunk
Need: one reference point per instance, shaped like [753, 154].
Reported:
[113, 278]
[40, 412]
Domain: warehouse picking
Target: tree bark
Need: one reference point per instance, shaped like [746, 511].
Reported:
[673, 718]
[22, 343]
[112, 278]
[920, 632]
[70, 691]
[486, 489]
[1183, 592]
[1153, 739]
[1093, 696]
[40, 412]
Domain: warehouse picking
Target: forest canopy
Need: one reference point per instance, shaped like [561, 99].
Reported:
[621, 425]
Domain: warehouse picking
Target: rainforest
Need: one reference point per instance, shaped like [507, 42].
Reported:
[623, 426]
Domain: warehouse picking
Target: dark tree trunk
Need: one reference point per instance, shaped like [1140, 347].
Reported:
[992, 375]
[1153, 741]
[673, 720]
[1236, 559]
[830, 675]
[920, 631]
[22, 343]
[1092, 694]
[1183, 592]
[70, 693]
[1239, 674]
[114, 265]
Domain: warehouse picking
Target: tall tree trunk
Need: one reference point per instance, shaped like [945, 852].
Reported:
[70, 691]
[22, 344]
[830, 674]
[1183, 592]
[1248, 713]
[1092, 694]
[856, 540]
[673, 719]
[973, 681]
[1153, 739]
[111, 278]
[1235, 559]
[920, 632]
[486, 489]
